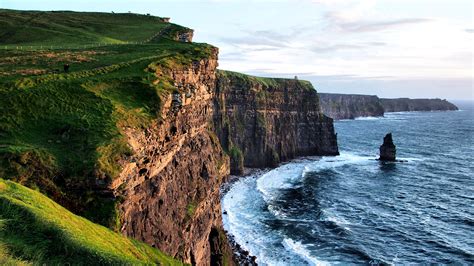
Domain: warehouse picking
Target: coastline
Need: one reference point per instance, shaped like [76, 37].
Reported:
[241, 255]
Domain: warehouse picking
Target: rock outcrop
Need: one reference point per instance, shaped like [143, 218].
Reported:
[388, 150]
[409, 105]
[170, 188]
[263, 121]
[350, 106]
[184, 36]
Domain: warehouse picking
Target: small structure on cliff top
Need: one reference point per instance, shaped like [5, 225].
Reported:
[388, 150]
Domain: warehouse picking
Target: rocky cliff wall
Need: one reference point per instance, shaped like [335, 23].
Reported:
[408, 105]
[350, 106]
[170, 187]
[262, 121]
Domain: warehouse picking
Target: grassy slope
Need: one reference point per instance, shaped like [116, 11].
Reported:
[75, 28]
[61, 132]
[35, 228]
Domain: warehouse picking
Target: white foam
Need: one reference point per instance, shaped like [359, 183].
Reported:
[247, 200]
[341, 222]
[300, 249]
[280, 178]
[369, 118]
[339, 161]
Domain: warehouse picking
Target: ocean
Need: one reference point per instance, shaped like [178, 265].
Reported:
[353, 209]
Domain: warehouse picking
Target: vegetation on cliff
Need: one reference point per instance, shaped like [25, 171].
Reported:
[409, 105]
[74, 30]
[62, 131]
[33, 228]
[264, 121]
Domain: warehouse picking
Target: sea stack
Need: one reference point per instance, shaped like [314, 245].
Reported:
[388, 150]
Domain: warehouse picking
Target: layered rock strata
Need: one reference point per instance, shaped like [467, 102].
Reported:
[170, 188]
[410, 105]
[262, 121]
[350, 106]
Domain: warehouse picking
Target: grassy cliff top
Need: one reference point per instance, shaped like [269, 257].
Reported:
[35, 228]
[264, 81]
[67, 28]
[63, 130]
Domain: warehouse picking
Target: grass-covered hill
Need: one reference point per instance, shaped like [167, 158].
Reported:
[35, 229]
[62, 133]
[63, 28]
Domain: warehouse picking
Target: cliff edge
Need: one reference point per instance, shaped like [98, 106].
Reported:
[141, 131]
[264, 121]
[350, 106]
[410, 105]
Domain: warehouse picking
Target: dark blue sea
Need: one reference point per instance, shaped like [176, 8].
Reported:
[353, 209]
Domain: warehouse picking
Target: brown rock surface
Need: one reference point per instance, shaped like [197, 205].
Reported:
[270, 120]
[170, 188]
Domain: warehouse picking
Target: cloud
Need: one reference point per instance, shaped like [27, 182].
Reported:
[338, 47]
[267, 39]
[272, 39]
[469, 30]
[368, 26]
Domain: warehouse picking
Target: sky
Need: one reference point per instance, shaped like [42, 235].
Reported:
[389, 48]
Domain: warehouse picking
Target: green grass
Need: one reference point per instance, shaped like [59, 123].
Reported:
[264, 81]
[73, 29]
[65, 130]
[33, 228]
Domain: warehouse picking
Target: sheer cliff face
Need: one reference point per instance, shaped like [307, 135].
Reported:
[407, 105]
[350, 106]
[170, 188]
[262, 122]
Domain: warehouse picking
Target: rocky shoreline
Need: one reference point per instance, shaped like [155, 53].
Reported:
[240, 255]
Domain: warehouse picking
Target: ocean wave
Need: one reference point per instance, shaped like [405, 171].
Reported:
[369, 118]
[338, 161]
[301, 250]
[279, 178]
[245, 218]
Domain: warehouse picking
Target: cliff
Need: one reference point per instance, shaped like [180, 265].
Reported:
[264, 121]
[350, 106]
[170, 187]
[139, 138]
[409, 105]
